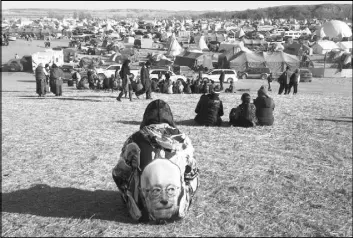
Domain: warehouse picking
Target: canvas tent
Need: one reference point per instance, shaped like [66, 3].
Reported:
[227, 45]
[174, 48]
[202, 43]
[227, 56]
[321, 47]
[278, 61]
[336, 28]
[243, 60]
[191, 60]
[345, 45]
[275, 61]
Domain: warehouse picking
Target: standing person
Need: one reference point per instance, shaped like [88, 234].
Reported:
[145, 80]
[56, 75]
[245, 114]
[188, 87]
[17, 57]
[40, 80]
[284, 81]
[126, 83]
[294, 80]
[269, 80]
[221, 79]
[209, 110]
[211, 87]
[264, 108]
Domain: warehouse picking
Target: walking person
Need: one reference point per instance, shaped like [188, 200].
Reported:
[284, 81]
[41, 78]
[145, 80]
[294, 80]
[126, 82]
[269, 81]
[221, 79]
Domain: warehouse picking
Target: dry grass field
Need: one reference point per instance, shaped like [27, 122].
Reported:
[291, 179]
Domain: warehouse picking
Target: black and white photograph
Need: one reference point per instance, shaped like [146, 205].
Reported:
[176, 118]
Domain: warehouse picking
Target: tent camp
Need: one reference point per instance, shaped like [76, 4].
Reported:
[337, 28]
[321, 47]
[345, 45]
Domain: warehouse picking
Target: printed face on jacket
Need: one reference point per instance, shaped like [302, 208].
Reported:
[161, 186]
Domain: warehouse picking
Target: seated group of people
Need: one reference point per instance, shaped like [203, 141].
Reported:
[191, 86]
[209, 110]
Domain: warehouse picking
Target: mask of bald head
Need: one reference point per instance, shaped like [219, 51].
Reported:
[161, 188]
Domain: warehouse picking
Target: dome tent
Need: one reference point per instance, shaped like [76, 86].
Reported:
[336, 28]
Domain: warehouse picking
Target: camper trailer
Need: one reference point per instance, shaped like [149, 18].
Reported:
[48, 57]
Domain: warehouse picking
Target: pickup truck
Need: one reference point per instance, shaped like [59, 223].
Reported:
[110, 70]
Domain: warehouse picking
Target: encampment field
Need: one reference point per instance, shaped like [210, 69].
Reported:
[291, 179]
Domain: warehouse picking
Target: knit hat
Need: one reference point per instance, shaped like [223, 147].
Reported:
[245, 96]
[262, 92]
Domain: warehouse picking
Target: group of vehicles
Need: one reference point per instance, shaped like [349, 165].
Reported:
[230, 74]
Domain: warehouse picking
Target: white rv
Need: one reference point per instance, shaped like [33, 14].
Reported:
[48, 57]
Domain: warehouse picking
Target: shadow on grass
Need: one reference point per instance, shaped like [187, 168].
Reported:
[26, 81]
[60, 98]
[46, 201]
[344, 119]
[130, 122]
[191, 122]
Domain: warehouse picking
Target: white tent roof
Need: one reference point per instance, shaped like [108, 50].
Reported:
[202, 43]
[174, 49]
[336, 28]
[344, 45]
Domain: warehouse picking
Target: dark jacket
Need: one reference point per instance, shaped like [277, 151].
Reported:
[145, 77]
[56, 73]
[40, 75]
[264, 110]
[157, 112]
[209, 110]
[284, 78]
[244, 115]
[221, 77]
[124, 75]
[294, 78]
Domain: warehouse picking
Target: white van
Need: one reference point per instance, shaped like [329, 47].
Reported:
[292, 34]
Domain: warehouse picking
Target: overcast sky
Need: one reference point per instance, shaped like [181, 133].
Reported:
[163, 5]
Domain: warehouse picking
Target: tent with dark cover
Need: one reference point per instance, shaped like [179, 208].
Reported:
[15, 65]
[192, 59]
[86, 62]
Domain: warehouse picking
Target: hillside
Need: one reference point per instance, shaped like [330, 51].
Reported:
[323, 11]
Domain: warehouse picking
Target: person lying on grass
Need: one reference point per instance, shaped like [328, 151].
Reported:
[157, 173]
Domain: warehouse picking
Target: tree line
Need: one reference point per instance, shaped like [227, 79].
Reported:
[324, 11]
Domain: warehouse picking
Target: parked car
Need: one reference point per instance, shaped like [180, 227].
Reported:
[173, 77]
[230, 75]
[305, 75]
[255, 73]
[107, 72]
[67, 72]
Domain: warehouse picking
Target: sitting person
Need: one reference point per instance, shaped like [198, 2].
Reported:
[245, 114]
[264, 108]
[231, 88]
[157, 158]
[209, 109]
